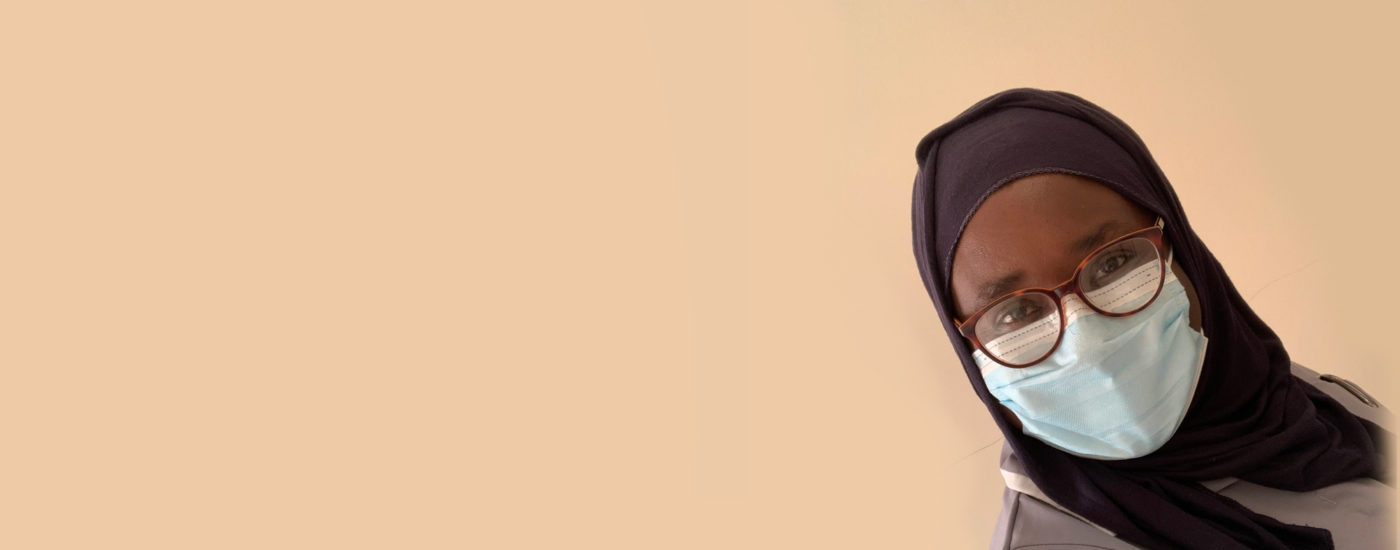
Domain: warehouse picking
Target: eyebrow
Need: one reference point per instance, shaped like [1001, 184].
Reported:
[1012, 281]
[1089, 242]
[1002, 285]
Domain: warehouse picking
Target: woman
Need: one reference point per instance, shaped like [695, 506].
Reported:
[1143, 402]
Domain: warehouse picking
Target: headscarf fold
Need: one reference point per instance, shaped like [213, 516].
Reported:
[1250, 417]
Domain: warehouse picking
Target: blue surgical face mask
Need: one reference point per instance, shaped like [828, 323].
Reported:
[1116, 387]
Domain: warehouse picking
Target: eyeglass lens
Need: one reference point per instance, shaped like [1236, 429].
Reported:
[1023, 329]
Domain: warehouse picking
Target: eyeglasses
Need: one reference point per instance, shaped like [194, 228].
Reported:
[1118, 279]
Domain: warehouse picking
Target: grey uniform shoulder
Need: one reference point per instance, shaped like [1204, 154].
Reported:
[1350, 394]
[1029, 519]
[1027, 522]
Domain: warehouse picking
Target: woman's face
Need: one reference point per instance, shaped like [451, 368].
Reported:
[1033, 233]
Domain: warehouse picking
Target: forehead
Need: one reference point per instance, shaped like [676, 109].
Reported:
[1030, 226]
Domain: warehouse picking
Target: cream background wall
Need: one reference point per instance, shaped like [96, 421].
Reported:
[595, 275]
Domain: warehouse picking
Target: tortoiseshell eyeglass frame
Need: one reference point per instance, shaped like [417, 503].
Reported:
[1152, 233]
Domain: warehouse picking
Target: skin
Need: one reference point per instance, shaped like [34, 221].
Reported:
[1033, 232]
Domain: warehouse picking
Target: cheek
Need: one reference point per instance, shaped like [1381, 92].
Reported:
[1010, 417]
[1195, 313]
[1195, 310]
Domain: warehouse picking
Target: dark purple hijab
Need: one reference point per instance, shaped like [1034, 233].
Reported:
[1249, 419]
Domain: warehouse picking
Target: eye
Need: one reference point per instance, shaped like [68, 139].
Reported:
[1107, 265]
[1018, 312]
